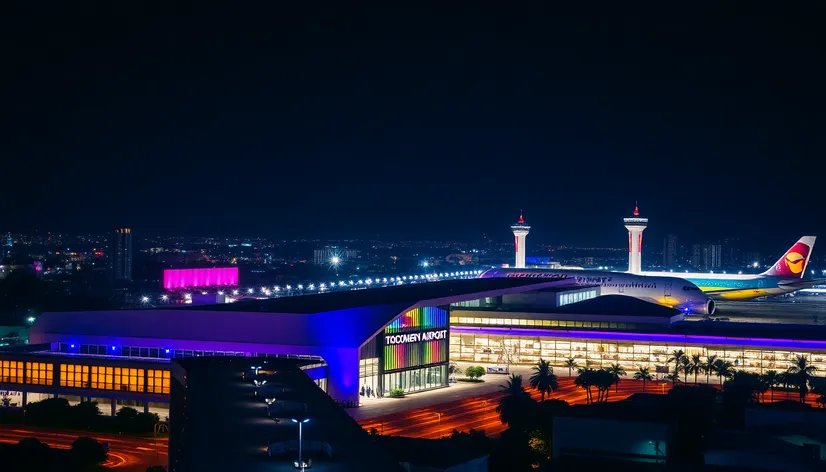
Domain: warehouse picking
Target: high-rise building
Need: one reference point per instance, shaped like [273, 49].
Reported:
[120, 254]
[635, 226]
[5, 247]
[731, 253]
[670, 253]
[696, 255]
[708, 256]
[520, 233]
[752, 259]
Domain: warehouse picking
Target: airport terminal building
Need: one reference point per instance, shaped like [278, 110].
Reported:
[386, 338]
[401, 337]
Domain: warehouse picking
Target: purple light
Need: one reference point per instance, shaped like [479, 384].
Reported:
[174, 279]
[650, 338]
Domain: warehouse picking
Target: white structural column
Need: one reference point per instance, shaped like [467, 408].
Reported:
[520, 233]
[635, 226]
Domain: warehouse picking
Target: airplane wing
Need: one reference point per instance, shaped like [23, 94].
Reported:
[798, 284]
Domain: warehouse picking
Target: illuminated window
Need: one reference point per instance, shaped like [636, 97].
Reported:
[11, 371]
[102, 377]
[72, 375]
[39, 373]
[157, 381]
[129, 379]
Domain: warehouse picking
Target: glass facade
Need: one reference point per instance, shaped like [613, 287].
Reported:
[573, 297]
[11, 371]
[157, 381]
[369, 374]
[526, 350]
[39, 373]
[477, 321]
[72, 375]
[415, 380]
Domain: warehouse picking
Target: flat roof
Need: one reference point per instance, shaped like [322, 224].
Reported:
[228, 428]
[399, 294]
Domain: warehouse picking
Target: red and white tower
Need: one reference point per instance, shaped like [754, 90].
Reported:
[635, 226]
[520, 232]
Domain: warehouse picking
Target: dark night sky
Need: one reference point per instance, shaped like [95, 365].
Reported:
[345, 122]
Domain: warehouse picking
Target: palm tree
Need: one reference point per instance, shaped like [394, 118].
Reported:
[644, 375]
[708, 366]
[800, 372]
[696, 366]
[771, 379]
[723, 369]
[585, 380]
[512, 406]
[603, 379]
[674, 377]
[617, 371]
[675, 358]
[543, 378]
[685, 364]
[571, 364]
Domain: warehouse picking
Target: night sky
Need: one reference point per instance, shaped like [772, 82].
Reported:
[413, 123]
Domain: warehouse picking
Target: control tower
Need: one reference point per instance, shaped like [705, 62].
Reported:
[635, 226]
[520, 232]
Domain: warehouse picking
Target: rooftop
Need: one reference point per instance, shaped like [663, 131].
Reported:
[410, 294]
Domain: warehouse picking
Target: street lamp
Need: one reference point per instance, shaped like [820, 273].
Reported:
[30, 319]
[300, 438]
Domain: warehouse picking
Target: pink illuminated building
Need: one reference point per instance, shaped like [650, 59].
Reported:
[175, 279]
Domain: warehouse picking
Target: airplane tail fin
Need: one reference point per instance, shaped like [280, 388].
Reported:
[793, 263]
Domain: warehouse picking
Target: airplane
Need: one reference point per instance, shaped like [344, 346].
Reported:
[786, 275]
[668, 290]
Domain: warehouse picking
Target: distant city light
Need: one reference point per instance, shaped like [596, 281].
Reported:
[289, 287]
[30, 319]
[144, 299]
[249, 290]
[235, 292]
[277, 288]
[755, 265]
[322, 286]
[220, 292]
[335, 260]
[300, 287]
[425, 264]
[165, 297]
[188, 296]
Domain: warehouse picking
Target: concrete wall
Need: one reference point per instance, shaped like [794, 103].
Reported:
[627, 440]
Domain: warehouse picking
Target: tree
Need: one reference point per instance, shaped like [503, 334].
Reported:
[696, 366]
[685, 364]
[543, 378]
[616, 371]
[676, 357]
[644, 375]
[88, 451]
[585, 380]
[603, 379]
[474, 372]
[674, 377]
[453, 369]
[708, 366]
[85, 414]
[51, 411]
[800, 372]
[746, 386]
[723, 369]
[771, 379]
[514, 406]
[34, 454]
[571, 364]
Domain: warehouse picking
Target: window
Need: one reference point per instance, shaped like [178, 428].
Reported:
[157, 381]
[11, 371]
[102, 377]
[129, 379]
[39, 373]
[73, 375]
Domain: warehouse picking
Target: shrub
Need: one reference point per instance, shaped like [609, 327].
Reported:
[396, 393]
[474, 372]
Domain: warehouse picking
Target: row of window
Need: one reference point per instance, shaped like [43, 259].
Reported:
[566, 298]
[150, 352]
[84, 376]
[462, 320]
[36, 373]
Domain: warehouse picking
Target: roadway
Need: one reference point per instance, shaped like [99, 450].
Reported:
[126, 453]
[479, 412]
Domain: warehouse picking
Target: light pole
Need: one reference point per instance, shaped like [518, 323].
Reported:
[300, 439]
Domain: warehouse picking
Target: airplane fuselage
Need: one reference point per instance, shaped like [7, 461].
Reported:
[667, 290]
[737, 286]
